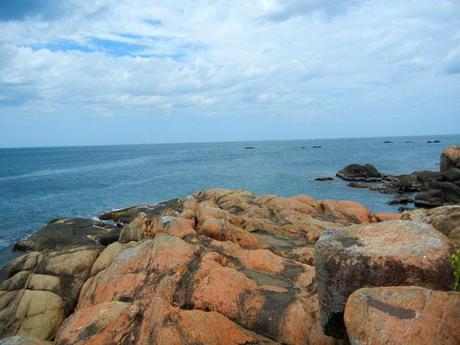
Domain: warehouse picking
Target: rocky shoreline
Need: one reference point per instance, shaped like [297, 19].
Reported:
[231, 267]
[425, 189]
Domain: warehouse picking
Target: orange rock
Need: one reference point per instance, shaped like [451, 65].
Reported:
[403, 315]
[388, 253]
[381, 217]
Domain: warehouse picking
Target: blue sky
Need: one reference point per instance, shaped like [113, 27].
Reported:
[76, 72]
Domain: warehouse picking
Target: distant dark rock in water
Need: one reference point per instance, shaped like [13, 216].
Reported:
[408, 141]
[316, 146]
[432, 188]
[429, 142]
[249, 147]
[363, 185]
[436, 141]
[401, 199]
[303, 147]
[69, 232]
[324, 178]
[388, 142]
[360, 172]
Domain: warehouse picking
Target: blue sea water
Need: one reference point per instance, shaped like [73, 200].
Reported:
[38, 184]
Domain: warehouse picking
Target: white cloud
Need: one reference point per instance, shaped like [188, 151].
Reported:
[206, 57]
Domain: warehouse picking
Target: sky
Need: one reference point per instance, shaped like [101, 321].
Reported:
[75, 72]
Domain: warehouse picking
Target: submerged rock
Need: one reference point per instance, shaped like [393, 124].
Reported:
[390, 253]
[360, 172]
[403, 315]
[324, 178]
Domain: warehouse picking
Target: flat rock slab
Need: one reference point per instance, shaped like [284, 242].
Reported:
[68, 232]
[391, 253]
[403, 315]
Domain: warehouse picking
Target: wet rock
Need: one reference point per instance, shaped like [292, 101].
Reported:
[127, 215]
[390, 253]
[403, 315]
[249, 147]
[445, 219]
[388, 142]
[67, 232]
[41, 289]
[450, 158]
[316, 146]
[324, 178]
[360, 172]
[401, 199]
[413, 182]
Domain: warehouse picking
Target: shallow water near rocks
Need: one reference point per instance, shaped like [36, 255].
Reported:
[39, 184]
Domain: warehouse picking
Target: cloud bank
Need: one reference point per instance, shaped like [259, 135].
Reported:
[332, 62]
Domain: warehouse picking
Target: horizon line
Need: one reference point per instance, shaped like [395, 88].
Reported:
[225, 141]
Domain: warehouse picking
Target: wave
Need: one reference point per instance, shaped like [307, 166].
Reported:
[61, 171]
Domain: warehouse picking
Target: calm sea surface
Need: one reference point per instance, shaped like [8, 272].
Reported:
[38, 184]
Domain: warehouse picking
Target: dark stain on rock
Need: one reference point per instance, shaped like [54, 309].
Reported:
[270, 317]
[183, 295]
[89, 331]
[348, 242]
[401, 313]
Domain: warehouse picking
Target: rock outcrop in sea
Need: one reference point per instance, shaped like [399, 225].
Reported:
[218, 267]
[431, 188]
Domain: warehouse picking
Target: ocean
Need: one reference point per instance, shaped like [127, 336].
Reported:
[39, 184]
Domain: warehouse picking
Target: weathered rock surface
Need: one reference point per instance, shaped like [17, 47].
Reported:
[68, 232]
[127, 215]
[445, 219]
[450, 158]
[219, 267]
[360, 172]
[224, 260]
[42, 289]
[403, 315]
[17, 340]
[390, 253]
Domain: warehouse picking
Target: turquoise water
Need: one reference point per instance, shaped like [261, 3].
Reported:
[38, 184]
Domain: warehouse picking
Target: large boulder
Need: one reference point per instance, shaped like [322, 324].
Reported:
[390, 253]
[403, 315]
[445, 219]
[360, 172]
[68, 232]
[450, 158]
